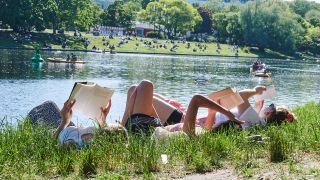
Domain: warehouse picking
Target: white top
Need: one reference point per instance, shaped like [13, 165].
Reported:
[75, 134]
[250, 116]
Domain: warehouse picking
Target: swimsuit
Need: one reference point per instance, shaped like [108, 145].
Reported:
[174, 118]
[142, 124]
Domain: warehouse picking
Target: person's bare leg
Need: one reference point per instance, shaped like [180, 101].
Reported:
[129, 104]
[198, 101]
[211, 118]
[163, 109]
[144, 98]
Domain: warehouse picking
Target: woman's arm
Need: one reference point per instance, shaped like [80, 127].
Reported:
[246, 94]
[104, 113]
[66, 114]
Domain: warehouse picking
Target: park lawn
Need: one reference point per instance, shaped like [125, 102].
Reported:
[289, 151]
[39, 40]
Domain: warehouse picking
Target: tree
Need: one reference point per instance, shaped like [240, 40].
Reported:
[313, 16]
[144, 3]
[206, 26]
[270, 25]
[17, 14]
[117, 15]
[228, 27]
[311, 42]
[301, 7]
[176, 16]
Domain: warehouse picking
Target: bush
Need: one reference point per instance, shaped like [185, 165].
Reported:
[61, 31]
[190, 38]
[245, 49]
[211, 39]
[152, 34]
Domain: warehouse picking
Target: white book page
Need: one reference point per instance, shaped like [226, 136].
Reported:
[89, 99]
[231, 101]
[228, 98]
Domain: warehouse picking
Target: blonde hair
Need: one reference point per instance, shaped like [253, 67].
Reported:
[115, 130]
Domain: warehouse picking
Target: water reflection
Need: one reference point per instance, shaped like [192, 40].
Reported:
[24, 84]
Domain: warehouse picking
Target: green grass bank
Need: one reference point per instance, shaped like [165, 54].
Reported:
[9, 39]
[290, 151]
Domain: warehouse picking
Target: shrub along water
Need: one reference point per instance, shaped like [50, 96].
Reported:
[33, 152]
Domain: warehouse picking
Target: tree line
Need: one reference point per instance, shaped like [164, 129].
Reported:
[275, 24]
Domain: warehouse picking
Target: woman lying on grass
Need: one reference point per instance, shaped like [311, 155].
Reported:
[215, 119]
[141, 116]
[66, 132]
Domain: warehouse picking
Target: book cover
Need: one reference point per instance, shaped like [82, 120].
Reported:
[228, 98]
[89, 98]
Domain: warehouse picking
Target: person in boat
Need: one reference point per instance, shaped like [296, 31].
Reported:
[68, 57]
[74, 57]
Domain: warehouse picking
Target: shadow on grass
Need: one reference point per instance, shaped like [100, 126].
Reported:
[39, 40]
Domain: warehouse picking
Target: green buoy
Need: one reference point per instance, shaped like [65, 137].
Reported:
[37, 56]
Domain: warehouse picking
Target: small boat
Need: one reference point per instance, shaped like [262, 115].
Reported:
[261, 74]
[259, 69]
[63, 60]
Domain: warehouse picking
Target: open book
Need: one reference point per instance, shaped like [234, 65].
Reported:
[228, 98]
[89, 98]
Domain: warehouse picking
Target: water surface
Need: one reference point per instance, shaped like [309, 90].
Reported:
[24, 85]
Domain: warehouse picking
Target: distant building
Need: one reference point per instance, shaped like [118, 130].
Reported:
[107, 30]
[142, 29]
[240, 1]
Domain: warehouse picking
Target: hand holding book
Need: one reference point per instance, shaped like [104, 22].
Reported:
[66, 111]
[104, 112]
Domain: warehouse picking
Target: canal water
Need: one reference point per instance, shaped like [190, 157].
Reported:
[24, 85]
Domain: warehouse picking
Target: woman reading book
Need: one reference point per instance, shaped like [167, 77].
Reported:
[81, 136]
[141, 116]
[66, 132]
[253, 116]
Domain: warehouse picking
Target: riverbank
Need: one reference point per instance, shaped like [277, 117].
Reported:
[43, 40]
[286, 151]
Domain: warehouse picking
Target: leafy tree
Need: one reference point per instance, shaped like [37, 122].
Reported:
[313, 16]
[206, 26]
[144, 3]
[301, 7]
[270, 25]
[311, 42]
[215, 5]
[228, 27]
[17, 14]
[176, 16]
[117, 15]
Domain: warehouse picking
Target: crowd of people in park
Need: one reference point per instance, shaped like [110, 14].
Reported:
[155, 44]
[147, 112]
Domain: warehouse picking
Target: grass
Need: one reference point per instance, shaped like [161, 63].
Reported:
[134, 45]
[33, 153]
